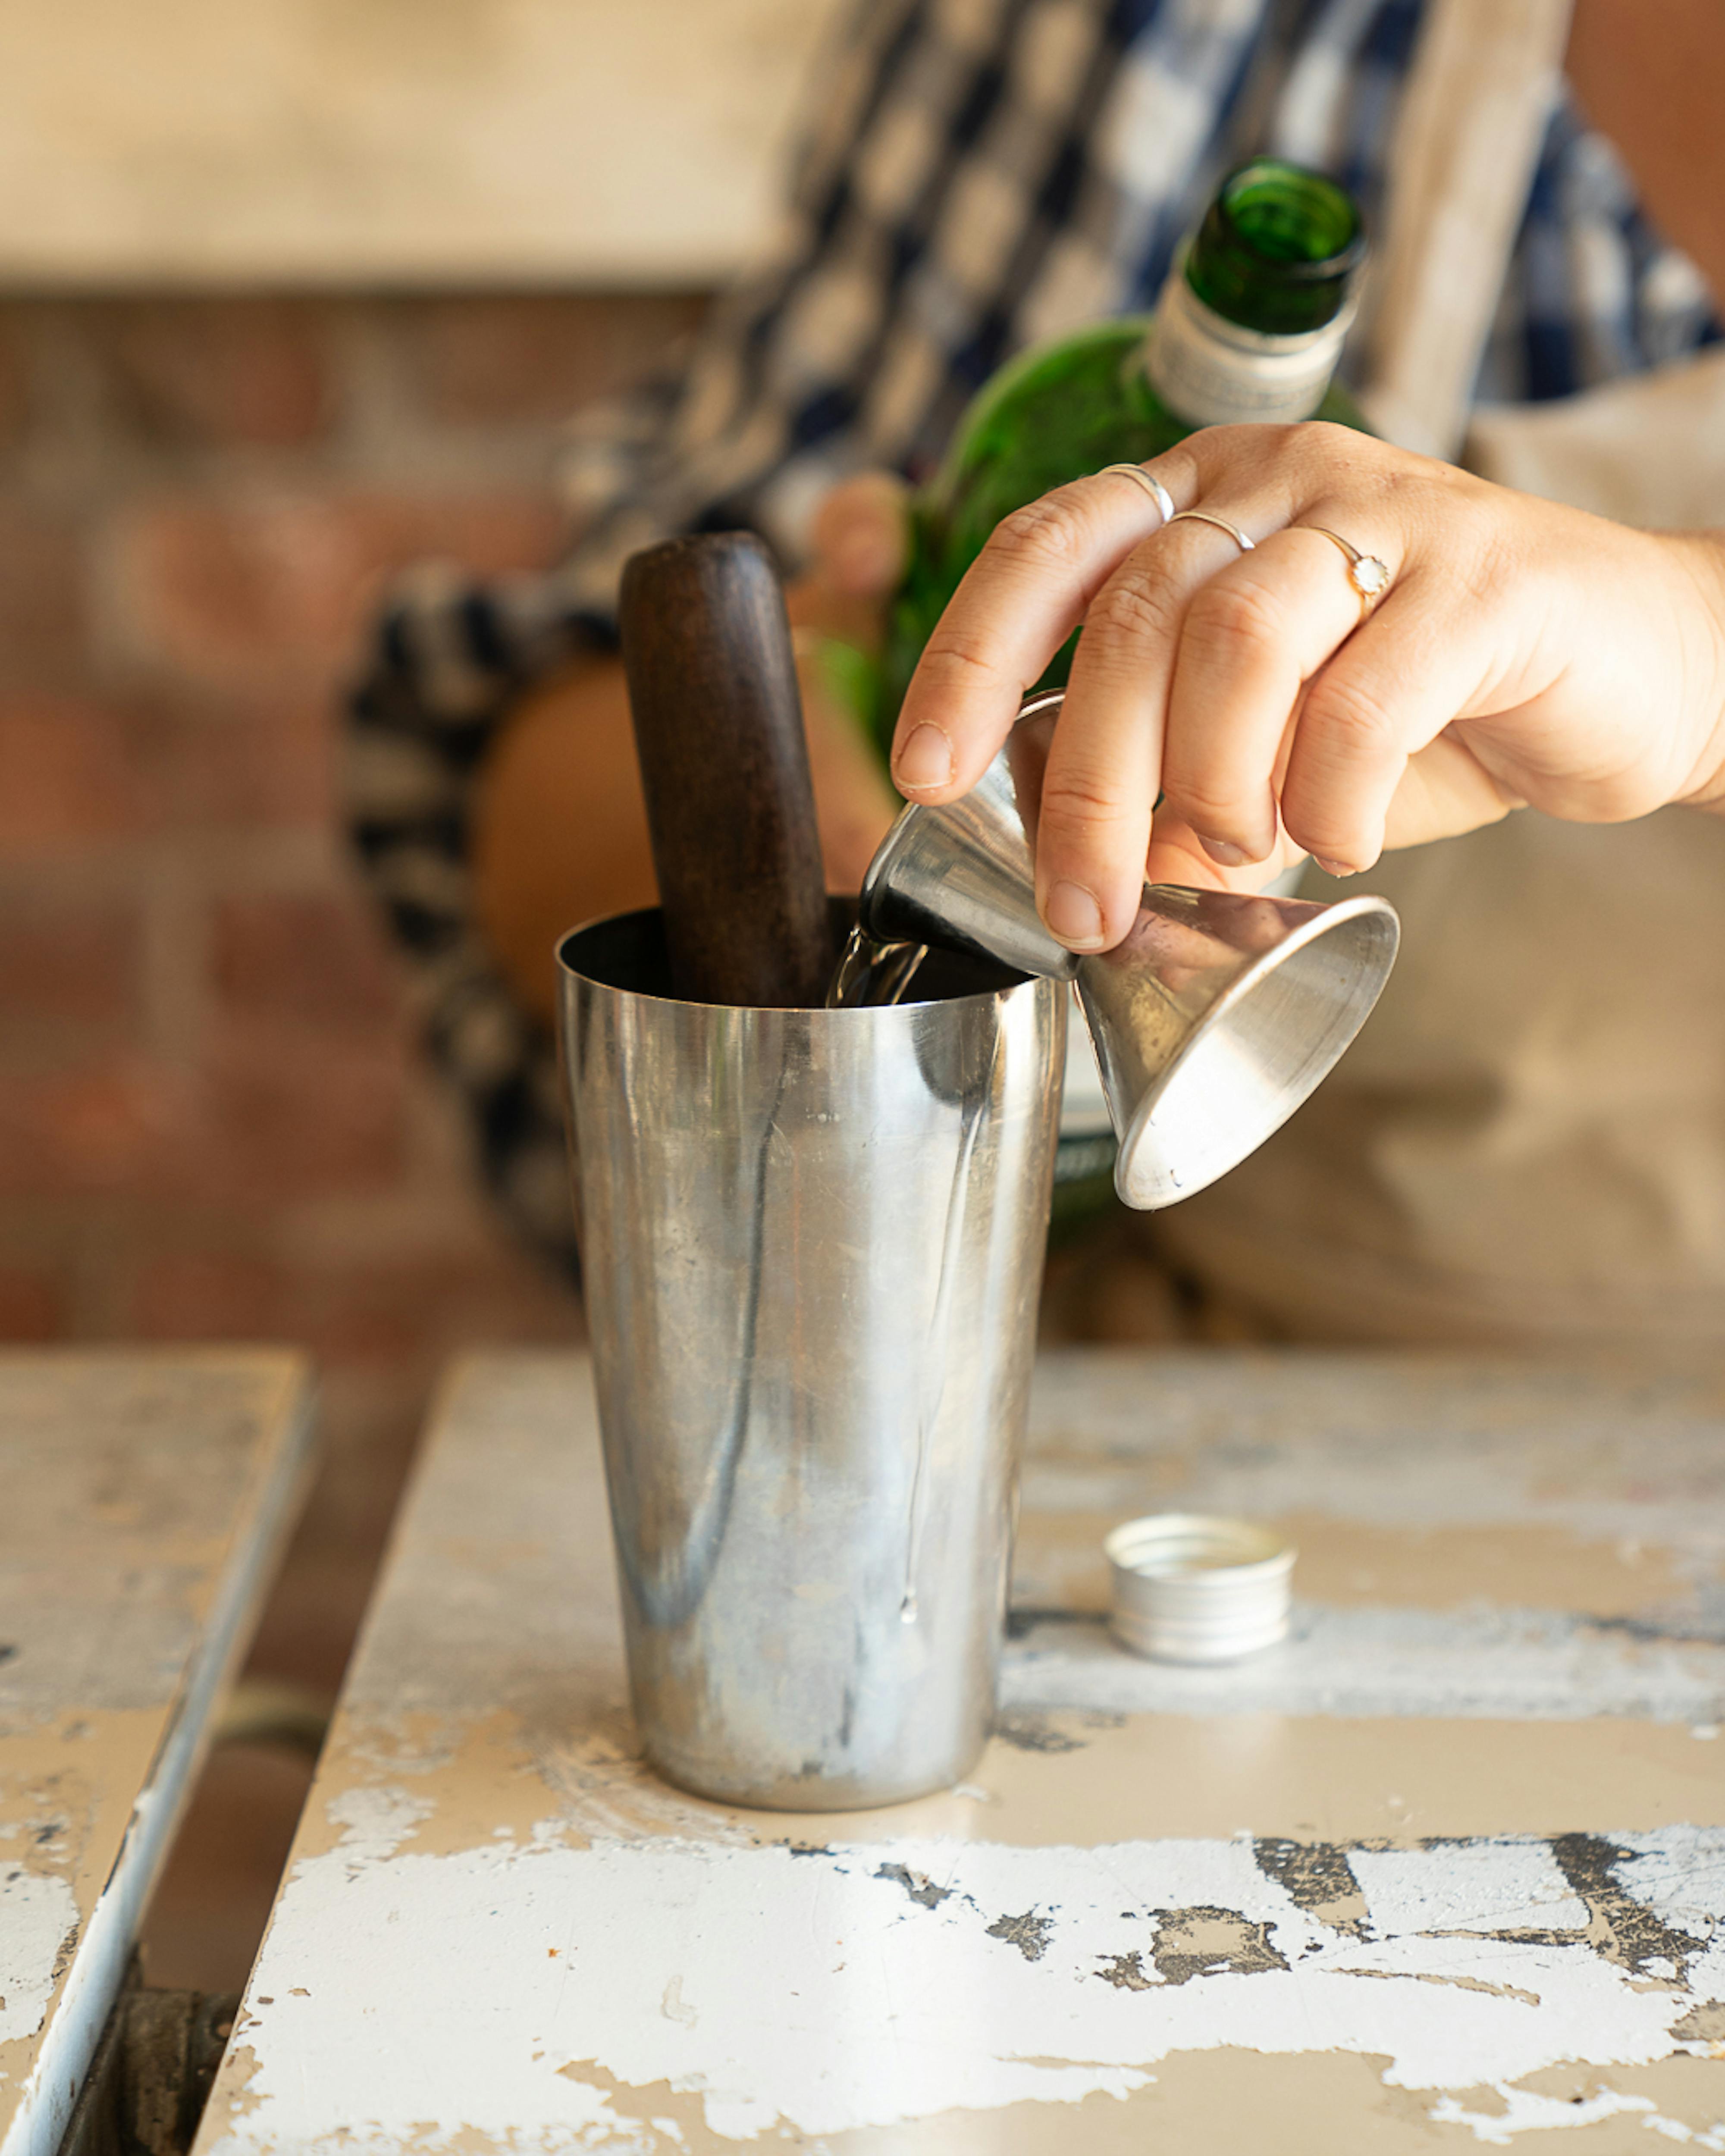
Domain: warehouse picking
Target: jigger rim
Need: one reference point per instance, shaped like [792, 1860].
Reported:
[1323, 922]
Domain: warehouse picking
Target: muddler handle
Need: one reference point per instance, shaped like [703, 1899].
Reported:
[718, 724]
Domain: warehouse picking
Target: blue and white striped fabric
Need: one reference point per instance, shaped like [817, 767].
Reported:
[979, 175]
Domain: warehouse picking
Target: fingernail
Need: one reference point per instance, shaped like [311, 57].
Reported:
[1074, 917]
[925, 761]
[1224, 854]
[1334, 868]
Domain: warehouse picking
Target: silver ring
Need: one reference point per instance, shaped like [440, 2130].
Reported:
[1157, 492]
[1369, 577]
[1050, 700]
[1221, 523]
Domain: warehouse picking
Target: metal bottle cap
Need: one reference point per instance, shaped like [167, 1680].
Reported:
[1191, 1587]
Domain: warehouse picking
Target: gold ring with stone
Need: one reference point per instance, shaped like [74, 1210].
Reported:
[1153, 487]
[1369, 577]
[1221, 523]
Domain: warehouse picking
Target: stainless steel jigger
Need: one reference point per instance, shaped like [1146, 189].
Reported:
[1213, 1020]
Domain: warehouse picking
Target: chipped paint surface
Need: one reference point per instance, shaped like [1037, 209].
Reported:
[1516, 1664]
[500, 1931]
[38, 1921]
[145, 1494]
[858, 1984]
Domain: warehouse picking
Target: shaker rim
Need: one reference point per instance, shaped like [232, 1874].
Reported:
[910, 1004]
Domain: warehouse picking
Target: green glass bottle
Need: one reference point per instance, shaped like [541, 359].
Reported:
[1249, 326]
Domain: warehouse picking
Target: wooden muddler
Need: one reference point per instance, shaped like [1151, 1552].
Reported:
[718, 727]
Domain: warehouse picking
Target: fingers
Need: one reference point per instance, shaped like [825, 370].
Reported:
[1241, 685]
[1384, 699]
[1029, 588]
[1444, 790]
[1176, 857]
[1192, 659]
[1036, 579]
[1253, 636]
[1105, 765]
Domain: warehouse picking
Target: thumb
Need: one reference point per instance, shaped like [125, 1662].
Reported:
[1445, 791]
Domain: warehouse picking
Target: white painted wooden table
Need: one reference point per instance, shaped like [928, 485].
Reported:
[143, 1498]
[1447, 1871]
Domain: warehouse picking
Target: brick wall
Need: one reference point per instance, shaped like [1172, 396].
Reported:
[212, 1125]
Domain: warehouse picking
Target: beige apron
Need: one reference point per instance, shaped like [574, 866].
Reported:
[1527, 1145]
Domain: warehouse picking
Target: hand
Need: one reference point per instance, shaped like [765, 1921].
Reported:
[1521, 653]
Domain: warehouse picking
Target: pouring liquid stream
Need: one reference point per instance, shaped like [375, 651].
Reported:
[870, 972]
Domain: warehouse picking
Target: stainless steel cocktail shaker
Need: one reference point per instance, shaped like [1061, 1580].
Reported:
[812, 1243]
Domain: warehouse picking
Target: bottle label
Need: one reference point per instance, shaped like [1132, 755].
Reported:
[1211, 373]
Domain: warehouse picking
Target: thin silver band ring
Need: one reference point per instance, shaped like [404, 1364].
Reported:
[1153, 487]
[1221, 523]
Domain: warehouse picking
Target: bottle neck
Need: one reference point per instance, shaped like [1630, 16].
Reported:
[1211, 373]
